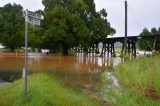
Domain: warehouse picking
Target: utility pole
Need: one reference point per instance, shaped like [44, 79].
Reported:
[125, 39]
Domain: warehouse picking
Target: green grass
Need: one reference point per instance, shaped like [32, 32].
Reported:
[128, 97]
[43, 90]
[140, 82]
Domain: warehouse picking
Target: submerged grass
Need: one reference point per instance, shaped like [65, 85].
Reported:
[43, 90]
[140, 82]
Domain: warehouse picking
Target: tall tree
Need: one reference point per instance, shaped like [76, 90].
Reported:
[64, 30]
[70, 23]
[12, 26]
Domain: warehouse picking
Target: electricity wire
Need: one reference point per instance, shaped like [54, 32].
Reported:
[133, 16]
[118, 1]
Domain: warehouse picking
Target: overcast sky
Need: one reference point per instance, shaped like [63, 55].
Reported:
[141, 13]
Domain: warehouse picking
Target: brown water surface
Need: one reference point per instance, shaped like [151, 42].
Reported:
[77, 72]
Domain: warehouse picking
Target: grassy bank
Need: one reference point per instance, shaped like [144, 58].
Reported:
[140, 82]
[43, 90]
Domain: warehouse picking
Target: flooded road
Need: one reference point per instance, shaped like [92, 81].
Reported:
[90, 74]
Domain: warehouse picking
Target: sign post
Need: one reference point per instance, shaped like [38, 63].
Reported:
[34, 19]
[25, 72]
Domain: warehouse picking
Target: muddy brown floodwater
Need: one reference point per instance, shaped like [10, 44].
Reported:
[90, 74]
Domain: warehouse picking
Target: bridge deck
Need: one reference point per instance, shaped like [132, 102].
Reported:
[135, 38]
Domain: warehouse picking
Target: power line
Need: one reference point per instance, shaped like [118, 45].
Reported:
[133, 16]
[118, 1]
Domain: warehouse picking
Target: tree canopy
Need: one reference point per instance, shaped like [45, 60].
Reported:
[12, 26]
[67, 24]
[70, 23]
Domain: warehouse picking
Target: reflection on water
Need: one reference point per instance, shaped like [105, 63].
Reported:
[77, 72]
[47, 63]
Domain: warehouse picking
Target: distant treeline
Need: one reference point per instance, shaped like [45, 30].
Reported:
[145, 44]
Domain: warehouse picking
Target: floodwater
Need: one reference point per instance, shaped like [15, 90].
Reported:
[90, 74]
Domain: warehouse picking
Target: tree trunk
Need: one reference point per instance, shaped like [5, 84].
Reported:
[12, 49]
[65, 49]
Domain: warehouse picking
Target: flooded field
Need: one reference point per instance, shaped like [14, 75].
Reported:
[90, 74]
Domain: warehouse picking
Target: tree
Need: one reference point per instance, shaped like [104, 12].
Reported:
[70, 23]
[101, 29]
[154, 31]
[64, 30]
[12, 26]
[1, 24]
[145, 44]
[35, 37]
[103, 13]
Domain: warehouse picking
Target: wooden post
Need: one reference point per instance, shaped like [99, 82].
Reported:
[129, 47]
[104, 49]
[108, 50]
[97, 48]
[154, 45]
[122, 48]
[134, 45]
[113, 49]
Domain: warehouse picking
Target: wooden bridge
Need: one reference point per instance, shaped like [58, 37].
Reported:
[109, 45]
